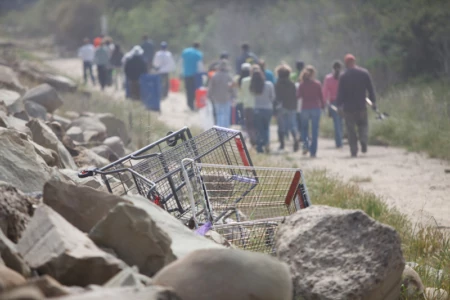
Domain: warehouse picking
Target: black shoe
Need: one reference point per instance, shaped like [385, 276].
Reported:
[354, 155]
[296, 146]
[363, 148]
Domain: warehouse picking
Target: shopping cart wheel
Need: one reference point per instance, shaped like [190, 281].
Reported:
[85, 173]
[172, 142]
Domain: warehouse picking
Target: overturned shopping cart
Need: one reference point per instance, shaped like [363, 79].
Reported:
[160, 164]
[245, 204]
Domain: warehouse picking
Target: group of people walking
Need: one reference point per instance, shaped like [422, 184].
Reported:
[295, 98]
[125, 70]
[252, 97]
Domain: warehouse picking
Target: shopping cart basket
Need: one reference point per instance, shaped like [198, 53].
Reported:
[160, 162]
[245, 204]
[244, 192]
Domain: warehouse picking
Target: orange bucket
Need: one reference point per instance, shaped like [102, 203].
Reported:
[174, 85]
[200, 97]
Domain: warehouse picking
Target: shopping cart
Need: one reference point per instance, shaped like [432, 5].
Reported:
[160, 162]
[244, 203]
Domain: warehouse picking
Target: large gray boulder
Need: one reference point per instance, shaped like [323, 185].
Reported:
[341, 254]
[115, 127]
[93, 126]
[11, 100]
[93, 181]
[9, 279]
[116, 145]
[64, 122]
[146, 293]
[135, 237]
[76, 134]
[50, 157]
[223, 274]
[20, 165]
[44, 95]
[11, 257]
[87, 158]
[44, 136]
[35, 110]
[9, 80]
[15, 212]
[11, 122]
[105, 152]
[54, 247]
[48, 286]
[61, 83]
[81, 206]
[184, 241]
[23, 293]
[23, 115]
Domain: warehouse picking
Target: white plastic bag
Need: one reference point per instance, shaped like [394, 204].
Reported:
[206, 114]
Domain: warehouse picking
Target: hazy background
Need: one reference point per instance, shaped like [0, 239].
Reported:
[397, 40]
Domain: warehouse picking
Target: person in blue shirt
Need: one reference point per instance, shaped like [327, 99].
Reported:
[267, 73]
[192, 57]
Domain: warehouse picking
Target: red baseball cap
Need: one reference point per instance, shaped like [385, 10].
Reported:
[349, 58]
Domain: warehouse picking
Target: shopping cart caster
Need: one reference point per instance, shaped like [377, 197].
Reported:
[86, 173]
[172, 142]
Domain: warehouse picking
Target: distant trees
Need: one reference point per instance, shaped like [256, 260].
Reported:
[395, 39]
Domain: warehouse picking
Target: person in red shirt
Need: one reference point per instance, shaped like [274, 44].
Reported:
[330, 90]
[98, 41]
[310, 94]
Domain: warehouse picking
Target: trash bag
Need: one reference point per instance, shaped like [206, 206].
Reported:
[206, 114]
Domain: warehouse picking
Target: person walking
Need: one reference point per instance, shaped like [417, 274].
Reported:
[135, 66]
[264, 94]
[192, 59]
[354, 85]
[248, 101]
[221, 92]
[164, 64]
[310, 93]
[149, 51]
[101, 59]
[98, 41]
[246, 57]
[87, 54]
[267, 73]
[116, 63]
[295, 77]
[286, 99]
[330, 90]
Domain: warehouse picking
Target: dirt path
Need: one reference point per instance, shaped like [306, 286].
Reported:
[415, 184]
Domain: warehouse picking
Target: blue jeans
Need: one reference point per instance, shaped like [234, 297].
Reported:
[337, 121]
[262, 124]
[87, 68]
[223, 114]
[289, 122]
[312, 115]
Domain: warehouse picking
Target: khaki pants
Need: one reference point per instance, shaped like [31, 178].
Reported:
[357, 121]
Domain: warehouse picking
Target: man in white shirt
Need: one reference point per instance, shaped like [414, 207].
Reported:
[164, 64]
[86, 53]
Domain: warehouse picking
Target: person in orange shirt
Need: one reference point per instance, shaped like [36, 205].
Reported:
[98, 41]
